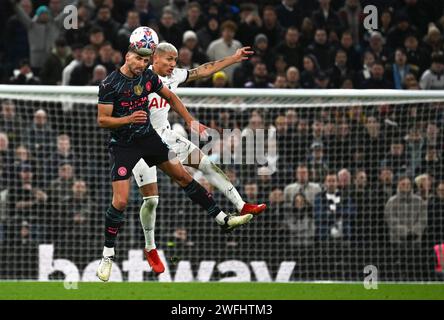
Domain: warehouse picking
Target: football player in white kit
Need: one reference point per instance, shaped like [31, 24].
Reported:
[164, 65]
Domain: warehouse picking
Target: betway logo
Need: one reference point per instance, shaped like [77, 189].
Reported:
[136, 265]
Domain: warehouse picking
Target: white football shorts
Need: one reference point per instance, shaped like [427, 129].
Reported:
[143, 174]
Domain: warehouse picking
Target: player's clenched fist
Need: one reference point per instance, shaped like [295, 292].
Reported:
[138, 117]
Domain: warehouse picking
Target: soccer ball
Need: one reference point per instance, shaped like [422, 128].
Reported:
[143, 41]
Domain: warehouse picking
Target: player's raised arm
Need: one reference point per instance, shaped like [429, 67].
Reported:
[106, 120]
[207, 69]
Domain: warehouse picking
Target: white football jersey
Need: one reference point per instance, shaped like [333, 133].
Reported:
[158, 106]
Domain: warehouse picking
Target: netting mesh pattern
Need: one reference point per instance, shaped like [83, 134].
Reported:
[351, 186]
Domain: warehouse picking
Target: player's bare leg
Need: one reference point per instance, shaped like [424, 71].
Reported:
[114, 219]
[199, 195]
[198, 160]
[147, 215]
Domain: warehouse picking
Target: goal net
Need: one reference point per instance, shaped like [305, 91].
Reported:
[353, 181]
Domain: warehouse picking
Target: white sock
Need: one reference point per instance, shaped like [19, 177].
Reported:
[217, 178]
[147, 216]
[220, 218]
[108, 252]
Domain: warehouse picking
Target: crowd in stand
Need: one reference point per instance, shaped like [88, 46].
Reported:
[297, 43]
[366, 180]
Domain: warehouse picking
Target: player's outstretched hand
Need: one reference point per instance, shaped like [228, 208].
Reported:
[199, 128]
[138, 117]
[243, 54]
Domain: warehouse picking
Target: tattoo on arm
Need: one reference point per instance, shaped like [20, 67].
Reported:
[196, 73]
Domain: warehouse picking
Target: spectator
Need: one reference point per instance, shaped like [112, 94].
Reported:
[376, 46]
[432, 164]
[353, 57]
[334, 213]
[280, 82]
[306, 32]
[424, 185]
[322, 80]
[43, 30]
[64, 154]
[326, 17]
[396, 158]
[396, 72]
[60, 188]
[76, 227]
[302, 185]
[270, 25]
[169, 29]
[290, 48]
[432, 78]
[16, 36]
[410, 82]
[226, 45]
[299, 221]
[96, 38]
[386, 21]
[220, 80]
[251, 191]
[406, 218]
[82, 74]
[105, 57]
[280, 66]
[377, 79]
[260, 77]
[99, 74]
[209, 32]
[262, 49]
[24, 75]
[416, 55]
[397, 34]
[289, 13]
[132, 22]
[40, 136]
[317, 162]
[194, 19]
[340, 69]
[311, 68]
[146, 12]
[293, 78]
[344, 182]
[190, 41]
[59, 58]
[76, 60]
[11, 123]
[351, 18]
[26, 201]
[361, 195]
[320, 49]
[433, 39]
[249, 24]
[185, 59]
[415, 144]
[105, 21]
[364, 73]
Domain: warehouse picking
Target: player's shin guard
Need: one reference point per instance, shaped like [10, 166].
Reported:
[148, 219]
[113, 221]
[218, 179]
[199, 195]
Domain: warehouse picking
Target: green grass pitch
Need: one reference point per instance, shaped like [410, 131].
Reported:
[217, 291]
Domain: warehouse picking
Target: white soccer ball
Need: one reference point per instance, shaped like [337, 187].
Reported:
[144, 40]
